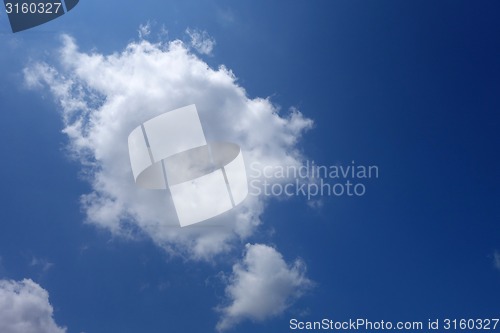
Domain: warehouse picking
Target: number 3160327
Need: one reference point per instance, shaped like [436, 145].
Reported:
[33, 8]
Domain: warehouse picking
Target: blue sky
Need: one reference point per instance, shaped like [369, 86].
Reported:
[412, 87]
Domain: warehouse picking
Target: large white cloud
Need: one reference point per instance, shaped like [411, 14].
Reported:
[25, 308]
[104, 97]
[262, 286]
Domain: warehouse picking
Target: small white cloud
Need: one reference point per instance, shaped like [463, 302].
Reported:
[144, 30]
[316, 204]
[163, 34]
[262, 286]
[496, 260]
[201, 41]
[25, 308]
[43, 264]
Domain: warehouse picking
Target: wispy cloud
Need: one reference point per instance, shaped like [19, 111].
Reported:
[262, 286]
[41, 263]
[316, 204]
[225, 16]
[2, 268]
[496, 259]
[144, 30]
[201, 41]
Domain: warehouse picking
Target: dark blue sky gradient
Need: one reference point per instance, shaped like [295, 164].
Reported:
[410, 86]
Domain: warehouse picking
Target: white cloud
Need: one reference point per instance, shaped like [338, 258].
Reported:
[25, 308]
[144, 30]
[104, 97]
[201, 41]
[262, 286]
[43, 264]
